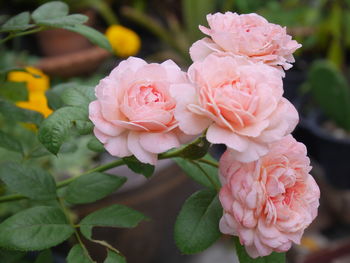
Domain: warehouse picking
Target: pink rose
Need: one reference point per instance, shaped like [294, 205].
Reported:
[240, 102]
[268, 203]
[134, 111]
[247, 35]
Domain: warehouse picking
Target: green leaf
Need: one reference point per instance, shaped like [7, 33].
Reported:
[95, 145]
[111, 216]
[193, 171]
[78, 95]
[29, 181]
[50, 10]
[84, 127]
[14, 91]
[113, 257]
[245, 258]
[55, 129]
[78, 255]
[69, 20]
[197, 225]
[18, 22]
[10, 256]
[92, 187]
[9, 143]
[197, 149]
[14, 113]
[44, 257]
[35, 228]
[54, 95]
[138, 167]
[93, 35]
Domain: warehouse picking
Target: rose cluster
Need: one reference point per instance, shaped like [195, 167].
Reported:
[233, 91]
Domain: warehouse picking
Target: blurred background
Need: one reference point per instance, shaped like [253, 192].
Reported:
[318, 85]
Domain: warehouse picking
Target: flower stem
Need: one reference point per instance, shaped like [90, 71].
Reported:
[216, 186]
[13, 35]
[212, 163]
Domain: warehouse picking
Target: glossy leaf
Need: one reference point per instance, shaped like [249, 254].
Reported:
[78, 255]
[69, 20]
[92, 187]
[17, 22]
[84, 127]
[95, 145]
[196, 149]
[11, 256]
[55, 129]
[197, 225]
[30, 181]
[111, 216]
[44, 257]
[113, 257]
[50, 10]
[139, 167]
[78, 95]
[245, 258]
[35, 228]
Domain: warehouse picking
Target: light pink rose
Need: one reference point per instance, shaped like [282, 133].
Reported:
[240, 102]
[268, 203]
[248, 35]
[134, 111]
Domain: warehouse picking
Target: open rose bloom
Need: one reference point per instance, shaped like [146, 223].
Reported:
[248, 35]
[268, 203]
[134, 111]
[240, 102]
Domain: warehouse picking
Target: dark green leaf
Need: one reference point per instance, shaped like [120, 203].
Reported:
[244, 257]
[196, 150]
[93, 35]
[18, 22]
[112, 216]
[193, 171]
[39, 152]
[35, 228]
[9, 143]
[55, 129]
[92, 187]
[14, 91]
[84, 127]
[95, 145]
[12, 112]
[54, 95]
[78, 255]
[197, 225]
[29, 181]
[10, 256]
[69, 20]
[138, 167]
[50, 10]
[78, 95]
[44, 257]
[113, 257]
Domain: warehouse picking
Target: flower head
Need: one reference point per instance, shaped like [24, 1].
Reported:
[134, 111]
[268, 203]
[248, 35]
[124, 41]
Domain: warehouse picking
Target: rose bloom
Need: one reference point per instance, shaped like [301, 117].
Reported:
[134, 111]
[268, 203]
[248, 35]
[240, 102]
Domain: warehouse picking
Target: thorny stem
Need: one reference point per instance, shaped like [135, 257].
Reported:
[119, 162]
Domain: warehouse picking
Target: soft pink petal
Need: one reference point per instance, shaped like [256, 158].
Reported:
[117, 146]
[158, 142]
[136, 149]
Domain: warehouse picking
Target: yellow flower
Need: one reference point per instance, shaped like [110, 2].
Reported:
[124, 41]
[39, 82]
[36, 85]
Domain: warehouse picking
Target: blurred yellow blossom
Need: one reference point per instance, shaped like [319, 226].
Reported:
[124, 41]
[36, 85]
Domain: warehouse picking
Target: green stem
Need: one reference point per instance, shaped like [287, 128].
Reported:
[106, 12]
[216, 186]
[12, 35]
[212, 163]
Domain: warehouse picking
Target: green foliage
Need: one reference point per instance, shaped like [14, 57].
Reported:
[331, 91]
[138, 167]
[35, 228]
[10, 256]
[196, 149]
[193, 170]
[44, 257]
[10, 143]
[14, 91]
[78, 255]
[18, 22]
[95, 145]
[78, 95]
[29, 181]
[92, 187]
[113, 257]
[245, 258]
[14, 113]
[112, 216]
[197, 225]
